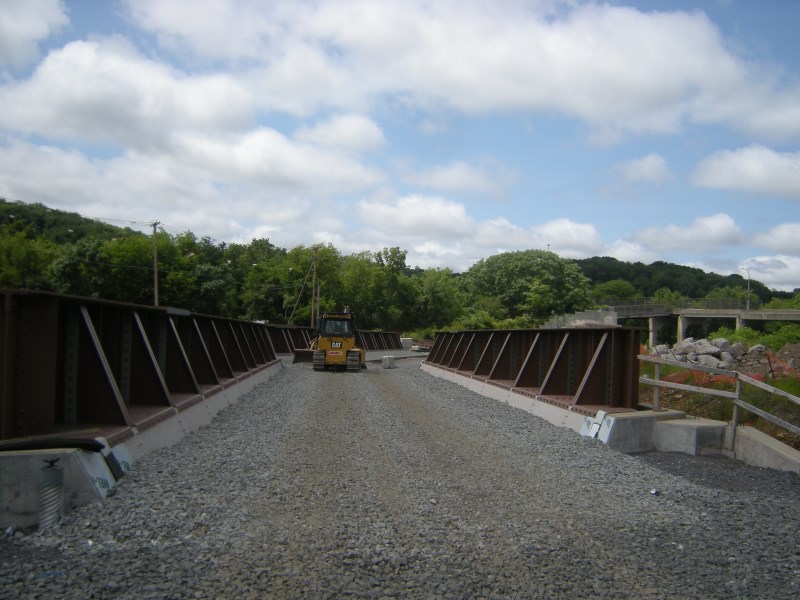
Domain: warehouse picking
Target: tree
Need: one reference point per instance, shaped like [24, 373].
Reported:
[439, 299]
[560, 288]
[615, 289]
[727, 292]
[78, 269]
[23, 260]
[530, 283]
[668, 297]
[360, 280]
[126, 268]
[793, 302]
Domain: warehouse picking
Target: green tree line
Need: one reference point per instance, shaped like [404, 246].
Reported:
[46, 249]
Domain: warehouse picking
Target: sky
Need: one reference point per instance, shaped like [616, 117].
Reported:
[454, 129]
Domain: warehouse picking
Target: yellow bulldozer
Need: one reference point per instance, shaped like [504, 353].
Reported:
[336, 345]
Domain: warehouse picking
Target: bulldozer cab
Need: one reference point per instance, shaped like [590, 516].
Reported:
[336, 326]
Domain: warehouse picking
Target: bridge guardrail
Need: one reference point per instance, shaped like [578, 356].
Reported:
[99, 368]
[582, 370]
[734, 396]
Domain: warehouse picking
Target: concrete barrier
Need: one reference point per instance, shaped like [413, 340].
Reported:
[645, 430]
[89, 476]
[760, 450]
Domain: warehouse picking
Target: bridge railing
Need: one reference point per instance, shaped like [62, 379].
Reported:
[71, 365]
[722, 303]
[736, 396]
[648, 305]
[583, 370]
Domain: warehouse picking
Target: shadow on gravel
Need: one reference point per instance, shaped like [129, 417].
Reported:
[719, 472]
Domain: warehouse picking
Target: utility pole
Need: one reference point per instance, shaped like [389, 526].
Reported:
[155, 224]
[748, 285]
[314, 290]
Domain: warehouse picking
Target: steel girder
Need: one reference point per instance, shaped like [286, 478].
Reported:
[79, 366]
[583, 370]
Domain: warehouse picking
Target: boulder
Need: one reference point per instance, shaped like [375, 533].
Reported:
[721, 343]
[661, 349]
[683, 348]
[757, 349]
[704, 347]
[727, 358]
[706, 360]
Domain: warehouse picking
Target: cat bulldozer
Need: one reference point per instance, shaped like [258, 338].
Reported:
[336, 345]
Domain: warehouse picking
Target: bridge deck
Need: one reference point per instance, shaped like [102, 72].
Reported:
[392, 483]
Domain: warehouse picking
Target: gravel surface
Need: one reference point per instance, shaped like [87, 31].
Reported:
[393, 483]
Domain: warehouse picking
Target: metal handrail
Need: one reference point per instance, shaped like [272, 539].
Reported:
[702, 303]
[736, 396]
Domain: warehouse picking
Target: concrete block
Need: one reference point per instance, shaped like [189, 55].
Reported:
[633, 431]
[86, 478]
[406, 343]
[591, 426]
[690, 435]
[761, 450]
[388, 362]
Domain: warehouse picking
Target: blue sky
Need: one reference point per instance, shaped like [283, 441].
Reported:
[659, 130]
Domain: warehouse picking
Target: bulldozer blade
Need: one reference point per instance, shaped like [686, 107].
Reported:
[303, 355]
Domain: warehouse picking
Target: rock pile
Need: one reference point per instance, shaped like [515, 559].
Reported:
[718, 353]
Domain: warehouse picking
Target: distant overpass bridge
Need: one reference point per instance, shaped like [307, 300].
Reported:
[695, 312]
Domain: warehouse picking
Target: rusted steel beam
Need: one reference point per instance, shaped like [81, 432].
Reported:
[512, 356]
[147, 383]
[491, 351]
[99, 395]
[579, 369]
[216, 349]
[72, 364]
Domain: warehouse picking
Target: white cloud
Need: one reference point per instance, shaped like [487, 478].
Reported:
[618, 68]
[754, 169]
[567, 238]
[648, 169]
[105, 91]
[348, 132]
[266, 157]
[456, 176]
[417, 217]
[218, 29]
[704, 234]
[440, 232]
[780, 272]
[784, 238]
[143, 188]
[628, 251]
[26, 23]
